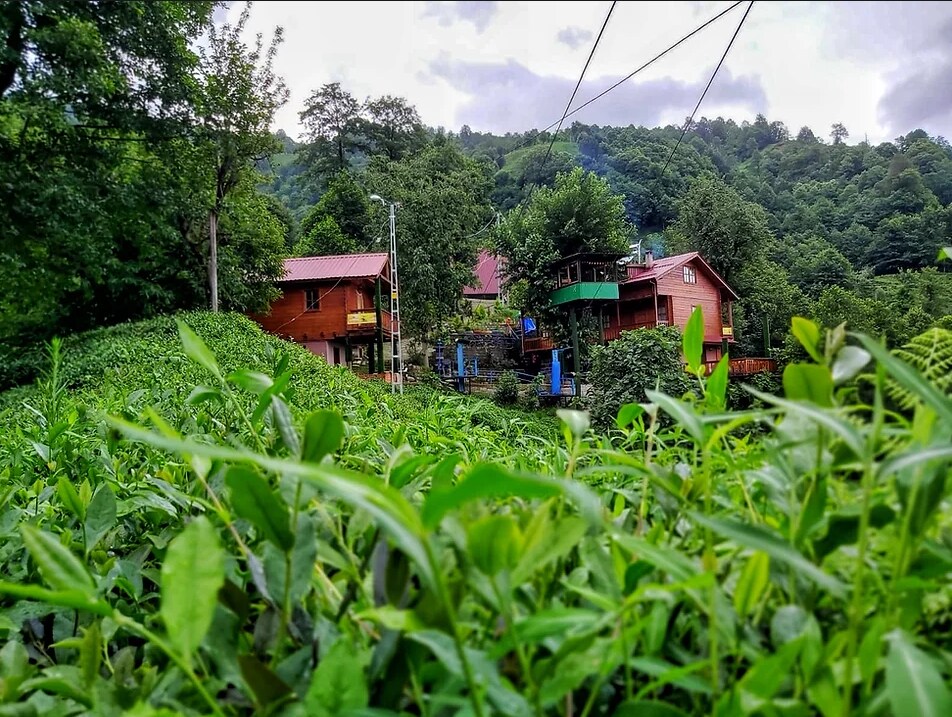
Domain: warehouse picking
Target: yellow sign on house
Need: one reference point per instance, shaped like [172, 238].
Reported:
[361, 318]
[727, 331]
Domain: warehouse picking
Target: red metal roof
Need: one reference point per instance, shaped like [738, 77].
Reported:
[487, 276]
[346, 266]
[665, 265]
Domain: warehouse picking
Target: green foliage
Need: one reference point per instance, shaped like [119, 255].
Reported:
[579, 214]
[443, 204]
[116, 141]
[930, 353]
[506, 392]
[624, 370]
[290, 539]
[716, 221]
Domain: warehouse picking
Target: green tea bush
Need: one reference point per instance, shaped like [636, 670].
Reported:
[638, 361]
[225, 525]
[506, 392]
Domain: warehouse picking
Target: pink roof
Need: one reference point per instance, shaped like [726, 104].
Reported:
[346, 266]
[665, 265]
[487, 276]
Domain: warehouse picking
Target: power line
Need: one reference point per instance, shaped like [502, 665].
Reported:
[578, 84]
[690, 120]
[630, 75]
[568, 105]
[648, 63]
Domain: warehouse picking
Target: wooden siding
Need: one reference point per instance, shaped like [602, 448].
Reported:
[705, 293]
[288, 317]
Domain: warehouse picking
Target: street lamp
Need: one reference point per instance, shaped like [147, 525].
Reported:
[396, 364]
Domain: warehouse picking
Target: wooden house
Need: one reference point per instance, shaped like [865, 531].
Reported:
[665, 292]
[655, 292]
[334, 304]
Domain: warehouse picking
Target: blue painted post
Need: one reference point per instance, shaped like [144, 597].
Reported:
[556, 388]
[460, 368]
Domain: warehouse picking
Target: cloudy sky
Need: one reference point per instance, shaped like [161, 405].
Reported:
[881, 68]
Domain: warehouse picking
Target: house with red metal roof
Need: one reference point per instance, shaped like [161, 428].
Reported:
[334, 304]
[488, 284]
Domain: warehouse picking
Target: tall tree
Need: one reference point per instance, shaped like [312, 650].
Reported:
[716, 221]
[443, 198]
[239, 94]
[393, 126]
[90, 94]
[839, 133]
[332, 117]
[579, 214]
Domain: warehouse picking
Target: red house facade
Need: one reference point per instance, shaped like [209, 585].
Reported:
[665, 292]
[334, 305]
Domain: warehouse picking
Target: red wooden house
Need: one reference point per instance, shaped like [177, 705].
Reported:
[332, 304]
[664, 292]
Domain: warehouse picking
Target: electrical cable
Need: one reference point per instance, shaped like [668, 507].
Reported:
[690, 119]
[630, 75]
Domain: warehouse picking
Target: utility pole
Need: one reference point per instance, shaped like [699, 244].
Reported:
[396, 362]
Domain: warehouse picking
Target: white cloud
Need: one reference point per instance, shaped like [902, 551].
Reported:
[803, 63]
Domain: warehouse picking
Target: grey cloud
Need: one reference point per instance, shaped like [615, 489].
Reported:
[449, 13]
[574, 37]
[911, 43]
[510, 97]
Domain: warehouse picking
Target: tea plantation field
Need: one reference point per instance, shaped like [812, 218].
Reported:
[199, 519]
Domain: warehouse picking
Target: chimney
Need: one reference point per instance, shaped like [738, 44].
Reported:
[649, 259]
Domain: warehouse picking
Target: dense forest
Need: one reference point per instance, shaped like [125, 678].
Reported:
[796, 223]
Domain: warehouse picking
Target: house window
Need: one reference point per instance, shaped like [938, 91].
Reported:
[663, 312]
[312, 300]
[690, 275]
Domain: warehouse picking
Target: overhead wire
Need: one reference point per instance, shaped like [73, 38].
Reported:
[568, 105]
[630, 75]
[690, 119]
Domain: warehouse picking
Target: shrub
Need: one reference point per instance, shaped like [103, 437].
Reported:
[507, 389]
[638, 361]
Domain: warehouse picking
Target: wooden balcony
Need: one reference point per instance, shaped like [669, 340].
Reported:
[538, 343]
[614, 332]
[745, 366]
[364, 321]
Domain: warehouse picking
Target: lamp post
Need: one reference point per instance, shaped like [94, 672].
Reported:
[396, 362]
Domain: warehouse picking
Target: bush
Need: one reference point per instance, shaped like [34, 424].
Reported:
[639, 360]
[507, 389]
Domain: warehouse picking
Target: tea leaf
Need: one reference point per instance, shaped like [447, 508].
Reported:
[196, 350]
[254, 501]
[266, 686]
[645, 708]
[753, 581]
[808, 382]
[628, 414]
[323, 433]
[100, 516]
[715, 389]
[692, 341]
[192, 573]
[73, 599]
[850, 360]
[913, 683]
[67, 493]
[251, 381]
[808, 334]
[757, 538]
[58, 566]
[338, 684]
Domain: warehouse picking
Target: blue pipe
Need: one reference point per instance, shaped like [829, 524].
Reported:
[556, 388]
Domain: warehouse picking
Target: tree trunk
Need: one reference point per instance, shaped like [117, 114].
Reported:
[213, 257]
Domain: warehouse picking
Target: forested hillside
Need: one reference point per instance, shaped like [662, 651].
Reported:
[797, 223]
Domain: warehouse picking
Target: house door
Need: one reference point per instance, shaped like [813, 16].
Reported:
[336, 355]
